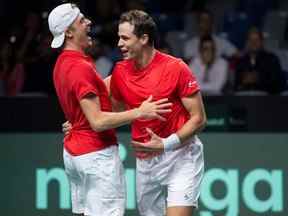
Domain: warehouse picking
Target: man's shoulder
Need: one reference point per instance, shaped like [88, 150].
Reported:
[173, 65]
[168, 58]
[78, 70]
[176, 62]
[71, 61]
[122, 63]
[122, 66]
[82, 65]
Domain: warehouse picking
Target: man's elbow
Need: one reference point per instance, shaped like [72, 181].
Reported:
[98, 126]
[201, 122]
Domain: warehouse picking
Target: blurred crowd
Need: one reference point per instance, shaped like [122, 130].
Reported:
[235, 47]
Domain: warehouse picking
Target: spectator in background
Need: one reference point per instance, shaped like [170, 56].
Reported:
[28, 53]
[11, 69]
[34, 57]
[210, 70]
[43, 64]
[205, 25]
[258, 69]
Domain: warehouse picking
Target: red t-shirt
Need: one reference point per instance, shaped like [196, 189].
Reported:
[164, 77]
[75, 77]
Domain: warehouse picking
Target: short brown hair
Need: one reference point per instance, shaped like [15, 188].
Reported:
[143, 24]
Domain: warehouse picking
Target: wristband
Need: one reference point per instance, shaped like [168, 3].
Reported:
[171, 142]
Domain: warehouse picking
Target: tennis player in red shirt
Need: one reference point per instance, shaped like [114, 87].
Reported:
[91, 158]
[169, 154]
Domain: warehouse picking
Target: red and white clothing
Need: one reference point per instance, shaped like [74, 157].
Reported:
[181, 170]
[164, 77]
[75, 77]
[91, 159]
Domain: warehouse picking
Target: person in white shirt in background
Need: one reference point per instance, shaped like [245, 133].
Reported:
[210, 70]
[205, 27]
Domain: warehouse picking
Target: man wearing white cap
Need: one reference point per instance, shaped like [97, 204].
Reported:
[91, 159]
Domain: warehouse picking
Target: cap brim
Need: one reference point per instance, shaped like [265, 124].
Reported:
[58, 41]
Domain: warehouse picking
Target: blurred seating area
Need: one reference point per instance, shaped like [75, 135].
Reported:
[234, 47]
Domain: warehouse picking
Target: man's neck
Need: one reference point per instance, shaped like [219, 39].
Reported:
[72, 46]
[145, 58]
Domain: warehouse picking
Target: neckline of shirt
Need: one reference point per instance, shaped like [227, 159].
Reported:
[155, 57]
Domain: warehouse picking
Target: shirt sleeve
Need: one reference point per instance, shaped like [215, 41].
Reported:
[84, 81]
[187, 83]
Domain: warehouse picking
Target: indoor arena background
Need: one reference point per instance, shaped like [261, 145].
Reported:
[246, 138]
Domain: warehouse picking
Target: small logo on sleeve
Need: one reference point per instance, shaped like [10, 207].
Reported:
[191, 83]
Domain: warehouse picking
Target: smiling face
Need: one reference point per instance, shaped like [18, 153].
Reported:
[78, 32]
[129, 44]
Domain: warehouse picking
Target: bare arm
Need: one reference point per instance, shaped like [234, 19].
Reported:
[117, 106]
[100, 120]
[194, 105]
[107, 83]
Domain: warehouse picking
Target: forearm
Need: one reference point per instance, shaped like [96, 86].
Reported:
[194, 105]
[193, 126]
[174, 140]
[108, 120]
[100, 120]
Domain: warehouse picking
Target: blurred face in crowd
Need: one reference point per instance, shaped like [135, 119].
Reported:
[78, 32]
[207, 52]
[129, 44]
[255, 41]
[205, 24]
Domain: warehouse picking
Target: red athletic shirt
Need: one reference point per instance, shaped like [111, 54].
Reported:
[75, 77]
[164, 77]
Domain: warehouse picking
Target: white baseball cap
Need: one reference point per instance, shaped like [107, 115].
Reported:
[59, 19]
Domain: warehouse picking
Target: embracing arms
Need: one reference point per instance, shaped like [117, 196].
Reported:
[100, 120]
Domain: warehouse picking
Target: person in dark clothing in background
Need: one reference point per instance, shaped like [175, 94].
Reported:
[258, 69]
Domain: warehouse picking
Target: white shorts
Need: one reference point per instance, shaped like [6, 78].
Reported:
[97, 182]
[174, 175]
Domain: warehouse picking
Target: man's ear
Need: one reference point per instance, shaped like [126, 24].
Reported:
[68, 33]
[144, 39]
